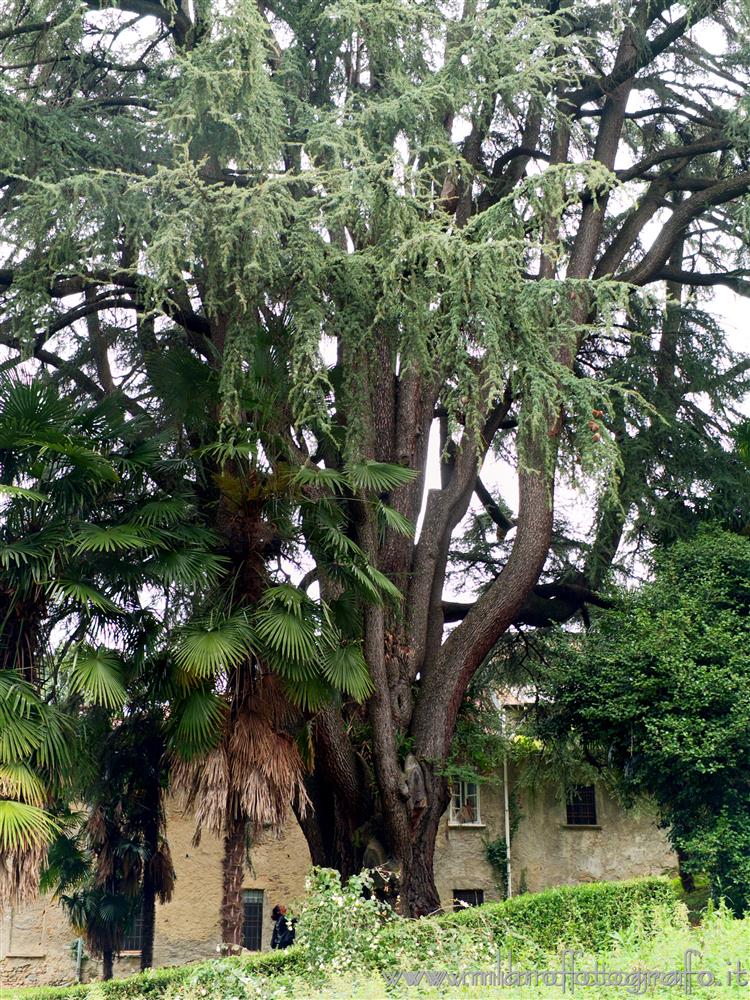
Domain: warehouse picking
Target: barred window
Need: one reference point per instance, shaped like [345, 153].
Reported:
[581, 807]
[467, 897]
[252, 926]
[133, 939]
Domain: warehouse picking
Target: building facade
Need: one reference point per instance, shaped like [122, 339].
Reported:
[588, 838]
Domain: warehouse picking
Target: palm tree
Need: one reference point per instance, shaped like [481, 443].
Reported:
[112, 861]
[84, 529]
[274, 655]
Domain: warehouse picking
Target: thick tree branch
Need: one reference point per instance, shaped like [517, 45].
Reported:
[443, 511]
[645, 54]
[548, 604]
[689, 151]
[653, 262]
[447, 676]
[732, 279]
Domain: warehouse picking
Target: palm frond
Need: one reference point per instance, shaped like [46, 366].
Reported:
[111, 538]
[377, 477]
[20, 728]
[22, 493]
[213, 645]
[286, 628]
[185, 566]
[308, 694]
[197, 723]
[390, 518]
[165, 511]
[345, 668]
[24, 826]
[56, 739]
[83, 594]
[18, 781]
[97, 675]
[312, 475]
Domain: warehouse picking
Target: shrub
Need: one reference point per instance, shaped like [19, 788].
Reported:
[340, 924]
[583, 916]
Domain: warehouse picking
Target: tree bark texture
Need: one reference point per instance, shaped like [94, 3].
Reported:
[232, 875]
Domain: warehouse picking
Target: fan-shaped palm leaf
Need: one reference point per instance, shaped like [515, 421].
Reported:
[390, 518]
[286, 635]
[84, 594]
[377, 477]
[20, 725]
[18, 781]
[24, 826]
[111, 538]
[345, 668]
[197, 723]
[97, 674]
[213, 645]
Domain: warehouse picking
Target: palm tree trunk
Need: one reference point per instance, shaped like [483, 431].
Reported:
[107, 962]
[148, 920]
[151, 842]
[233, 870]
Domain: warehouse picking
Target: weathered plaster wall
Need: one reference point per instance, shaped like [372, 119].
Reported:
[626, 844]
[460, 851]
[545, 851]
[188, 927]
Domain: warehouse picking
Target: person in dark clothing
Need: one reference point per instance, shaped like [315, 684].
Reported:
[283, 934]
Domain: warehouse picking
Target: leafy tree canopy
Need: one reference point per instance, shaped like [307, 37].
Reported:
[658, 692]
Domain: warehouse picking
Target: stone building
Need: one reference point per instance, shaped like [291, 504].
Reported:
[588, 838]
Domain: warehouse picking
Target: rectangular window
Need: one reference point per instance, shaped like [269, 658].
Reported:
[581, 808]
[465, 804]
[467, 897]
[252, 927]
[133, 940]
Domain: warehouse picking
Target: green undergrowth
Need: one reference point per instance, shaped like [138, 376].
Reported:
[351, 946]
[697, 900]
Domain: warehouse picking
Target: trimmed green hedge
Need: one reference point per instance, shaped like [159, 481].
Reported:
[155, 982]
[584, 916]
[581, 916]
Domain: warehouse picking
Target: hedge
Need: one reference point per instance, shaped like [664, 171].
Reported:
[154, 983]
[583, 916]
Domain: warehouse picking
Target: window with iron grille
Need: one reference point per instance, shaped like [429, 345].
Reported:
[581, 808]
[467, 897]
[252, 926]
[133, 939]
[465, 804]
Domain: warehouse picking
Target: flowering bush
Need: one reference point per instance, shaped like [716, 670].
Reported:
[340, 924]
